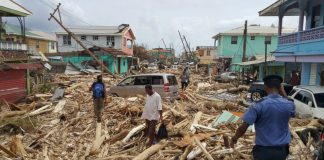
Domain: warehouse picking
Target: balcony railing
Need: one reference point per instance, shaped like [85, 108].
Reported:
[303, 36]
[11, 46]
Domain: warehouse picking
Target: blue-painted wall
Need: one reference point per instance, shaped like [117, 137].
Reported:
[306, 68]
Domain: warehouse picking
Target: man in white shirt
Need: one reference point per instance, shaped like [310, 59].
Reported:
[152, 112]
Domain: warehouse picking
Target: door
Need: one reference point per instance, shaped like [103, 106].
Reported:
[119, 64]
[124, 88]
[302, 99]
[312, 78]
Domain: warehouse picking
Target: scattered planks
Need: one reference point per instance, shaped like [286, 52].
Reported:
[150, 151]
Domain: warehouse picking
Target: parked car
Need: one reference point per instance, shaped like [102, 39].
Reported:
[152, 67]
[309, 101]
[226, 77]
[165, 84]
[257, 90]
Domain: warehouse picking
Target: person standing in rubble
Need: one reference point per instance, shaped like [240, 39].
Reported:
[187, 72]
[99, 95]
[184, 82]
[270, 117]
[152, 113]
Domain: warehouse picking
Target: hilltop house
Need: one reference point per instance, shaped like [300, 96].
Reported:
[306, 45]
[230, 43]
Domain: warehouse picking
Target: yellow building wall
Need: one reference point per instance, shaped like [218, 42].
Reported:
[43, 44]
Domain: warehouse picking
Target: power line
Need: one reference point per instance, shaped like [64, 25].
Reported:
[66, 13]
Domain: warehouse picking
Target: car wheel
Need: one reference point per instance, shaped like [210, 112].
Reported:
[256, 96]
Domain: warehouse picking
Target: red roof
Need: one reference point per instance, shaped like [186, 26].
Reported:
[25, 65]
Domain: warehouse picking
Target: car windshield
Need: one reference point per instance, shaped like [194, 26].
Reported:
[319, 100]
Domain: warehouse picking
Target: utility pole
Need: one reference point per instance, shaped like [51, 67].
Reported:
[164, 43]
[184, 37]
[184, 47]
[78, 41]
[244, 45]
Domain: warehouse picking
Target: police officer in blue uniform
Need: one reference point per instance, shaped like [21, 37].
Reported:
[270, 117]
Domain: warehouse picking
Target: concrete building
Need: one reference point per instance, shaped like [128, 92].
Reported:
[119, 37]
[230, 43]
[206, 54]
[305, 46]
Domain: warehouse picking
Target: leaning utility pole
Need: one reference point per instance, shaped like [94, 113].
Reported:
[78, 41]
[244, 45]
[164, 43]
[244, 42]
[184, 47]
[184, 37]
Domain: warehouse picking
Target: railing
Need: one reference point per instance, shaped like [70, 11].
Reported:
[307, 35]
[13, 46]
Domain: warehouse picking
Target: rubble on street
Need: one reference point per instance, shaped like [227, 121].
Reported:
[200, 124]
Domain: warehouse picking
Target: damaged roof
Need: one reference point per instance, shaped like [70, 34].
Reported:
[10, 8]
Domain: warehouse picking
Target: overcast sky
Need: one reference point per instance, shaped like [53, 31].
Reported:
[152, 20]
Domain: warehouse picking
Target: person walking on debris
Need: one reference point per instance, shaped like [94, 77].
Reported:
[184, 82]
[187, 72]
[152, 113]
[270, 117]
[99, 95]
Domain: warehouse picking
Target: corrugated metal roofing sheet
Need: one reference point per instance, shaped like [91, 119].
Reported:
[13, 85]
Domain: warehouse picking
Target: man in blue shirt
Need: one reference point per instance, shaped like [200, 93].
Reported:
[270, 117]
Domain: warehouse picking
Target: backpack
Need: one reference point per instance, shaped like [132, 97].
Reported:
[98, 90]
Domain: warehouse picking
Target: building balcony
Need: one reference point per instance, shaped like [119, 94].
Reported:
[308, 42]
[12, 46]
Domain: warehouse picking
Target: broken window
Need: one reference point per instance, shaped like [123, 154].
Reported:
[208, 52]
[84, 38]
[67, 40]
[95, 38]
[234, 40]
[52, 45]
[252, 38]
[129, 44]
[110, 41]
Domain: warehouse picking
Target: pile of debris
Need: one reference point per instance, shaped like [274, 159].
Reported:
[62, 125]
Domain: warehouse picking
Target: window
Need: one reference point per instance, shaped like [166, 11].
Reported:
[95, 38]
[84, 38]
[127, 82]
[52, 45]
[305, 97]
[316, 16]
[172, 80]
[111, 41]
[267, 40]
[252, 38]
[129, 44]
[208, 52]
[157, 80]
[234, 40]
[37, 44]
[142, 80]
[67, 40]
[319, 100]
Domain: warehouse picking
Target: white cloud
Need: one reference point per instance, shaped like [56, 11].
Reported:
[152, 20]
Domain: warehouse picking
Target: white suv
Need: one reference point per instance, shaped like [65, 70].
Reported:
[309, 101]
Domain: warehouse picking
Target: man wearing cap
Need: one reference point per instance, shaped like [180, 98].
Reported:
[270, 117]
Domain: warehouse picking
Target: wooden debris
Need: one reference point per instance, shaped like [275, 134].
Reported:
[133, 132]
[203, 148]
[150, 151]
[16, 146]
